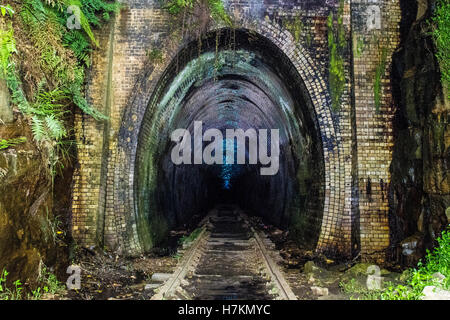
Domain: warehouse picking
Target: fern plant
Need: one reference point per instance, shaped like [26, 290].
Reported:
[79, 44]
[6, 143]
[55, 60]
[6, 10]
[62, 56]
[47, 112]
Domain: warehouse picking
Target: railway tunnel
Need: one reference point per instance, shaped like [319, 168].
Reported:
[339, 84]
[239, 81]
[267, 72]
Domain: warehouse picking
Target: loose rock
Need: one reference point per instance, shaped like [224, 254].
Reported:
[161, 277]
[434, 293]
[318, 291]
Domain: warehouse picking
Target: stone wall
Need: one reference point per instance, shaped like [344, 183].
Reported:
[28, 227]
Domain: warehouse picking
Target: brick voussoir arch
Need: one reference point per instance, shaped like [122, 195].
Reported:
[121, 212]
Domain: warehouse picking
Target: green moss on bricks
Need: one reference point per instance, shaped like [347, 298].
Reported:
[299, 224]
[298, 30]
[359, 44]
[155, 56]
[295, 27]
[336, 46]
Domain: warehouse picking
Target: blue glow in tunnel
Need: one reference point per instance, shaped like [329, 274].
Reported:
[229, 170]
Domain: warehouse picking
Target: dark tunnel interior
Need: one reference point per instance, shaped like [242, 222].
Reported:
[239, 80]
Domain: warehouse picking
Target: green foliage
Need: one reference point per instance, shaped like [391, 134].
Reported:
[441, 36]
[298, 30]
[439, 259]
[7, 47]
[336, 46]
[218, 11]
[3, 290]
[47, 114]
[350, 286]
[379, 73]
[15, 87]
[97, 11]
[48, 284]
[62, 57]
[359, 46]
[216, 8]
[155, 56]
[6, 143]
[7, 42]
[79, 44]
[359, 291]
[191, 237]
[6, 293]
[46, 26]
[54, 227]
[295, 28]
[6, 10]
[416, 279]
[92, 12]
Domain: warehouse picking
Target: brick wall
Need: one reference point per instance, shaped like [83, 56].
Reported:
[374, 130]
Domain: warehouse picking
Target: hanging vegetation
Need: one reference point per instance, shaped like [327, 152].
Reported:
[215, 7]
[43, 62]
[193, 17]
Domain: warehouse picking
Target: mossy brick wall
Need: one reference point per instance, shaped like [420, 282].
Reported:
[374, 139]
[122, 81]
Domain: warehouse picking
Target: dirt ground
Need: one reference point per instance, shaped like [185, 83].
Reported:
[106, 276]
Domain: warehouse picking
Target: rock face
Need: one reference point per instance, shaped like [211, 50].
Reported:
[6, 114]
[27, 227]
[419, 192]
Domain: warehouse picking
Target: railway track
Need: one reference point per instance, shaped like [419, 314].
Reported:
[228, 260]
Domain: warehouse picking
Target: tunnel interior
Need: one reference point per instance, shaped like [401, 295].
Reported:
[231, 79]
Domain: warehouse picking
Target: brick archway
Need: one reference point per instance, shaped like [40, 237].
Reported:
[122, 217]
[357, 140]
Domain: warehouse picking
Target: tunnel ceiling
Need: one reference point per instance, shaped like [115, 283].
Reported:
[245, 83]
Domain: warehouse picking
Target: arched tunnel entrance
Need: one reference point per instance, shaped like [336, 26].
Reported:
[240, 80]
